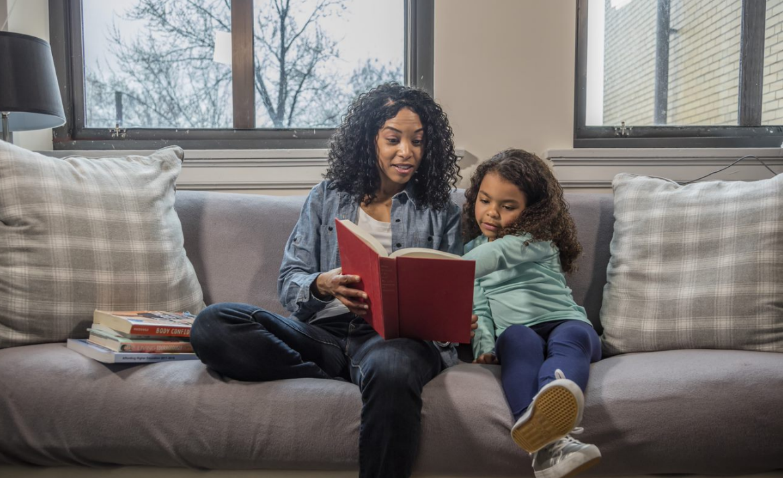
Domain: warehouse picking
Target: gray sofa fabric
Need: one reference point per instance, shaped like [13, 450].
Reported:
[682, 411]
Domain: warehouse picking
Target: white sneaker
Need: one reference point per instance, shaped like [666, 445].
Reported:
[565, 458]
[554, 412]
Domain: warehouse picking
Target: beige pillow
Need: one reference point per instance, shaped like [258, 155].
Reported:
[78, 234]
[696, 266]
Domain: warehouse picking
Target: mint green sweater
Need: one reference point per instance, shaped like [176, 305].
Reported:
[518, 281]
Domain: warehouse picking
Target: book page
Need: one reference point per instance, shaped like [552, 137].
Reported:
[365, 236]
[423, 252]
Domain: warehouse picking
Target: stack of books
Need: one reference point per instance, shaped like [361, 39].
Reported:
[137, 337]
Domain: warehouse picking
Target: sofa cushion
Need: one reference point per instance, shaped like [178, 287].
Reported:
[662, 412]
[236, 243]
[695, 266]
[78, 234]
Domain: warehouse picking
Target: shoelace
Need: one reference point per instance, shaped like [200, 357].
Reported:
[559, 445]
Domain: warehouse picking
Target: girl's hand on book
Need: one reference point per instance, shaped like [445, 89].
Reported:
[473, 325]
[489, 359]
[334, 284]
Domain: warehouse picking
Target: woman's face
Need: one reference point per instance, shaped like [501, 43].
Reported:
[399, 146]
[499, 204]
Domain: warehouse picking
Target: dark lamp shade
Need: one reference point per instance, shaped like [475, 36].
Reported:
[28, 83]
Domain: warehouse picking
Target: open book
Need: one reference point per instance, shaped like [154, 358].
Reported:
[415, 292]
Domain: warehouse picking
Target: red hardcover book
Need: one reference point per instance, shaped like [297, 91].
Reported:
[415, 292]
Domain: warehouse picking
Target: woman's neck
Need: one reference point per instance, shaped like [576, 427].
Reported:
[387, 191]
[380, 207]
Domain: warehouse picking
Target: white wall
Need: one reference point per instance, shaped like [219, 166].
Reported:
[504, 73]
[30, 17]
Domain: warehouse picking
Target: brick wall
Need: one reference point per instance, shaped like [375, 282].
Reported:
[704, 50]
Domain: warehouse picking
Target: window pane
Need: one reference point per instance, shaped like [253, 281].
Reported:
[152, 64]
[772, 101]
[313, 57]
[702, 81]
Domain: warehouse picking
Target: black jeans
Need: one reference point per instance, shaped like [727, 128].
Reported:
[235, 339]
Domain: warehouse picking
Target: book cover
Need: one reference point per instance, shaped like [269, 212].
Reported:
[416, 293]
[147, 322]
[113, 340]
[102, 354]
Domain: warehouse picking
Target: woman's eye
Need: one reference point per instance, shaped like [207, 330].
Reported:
[417, 142]
[392, 140]
[483, 201]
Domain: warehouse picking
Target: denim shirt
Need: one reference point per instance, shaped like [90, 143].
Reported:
[312, 246]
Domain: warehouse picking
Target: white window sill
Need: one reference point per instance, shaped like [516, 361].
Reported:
[594, 168]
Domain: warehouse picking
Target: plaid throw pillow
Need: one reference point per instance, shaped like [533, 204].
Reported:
[78, 234]
[696, 266]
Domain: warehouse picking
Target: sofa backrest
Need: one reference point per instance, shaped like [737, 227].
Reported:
[235, 242]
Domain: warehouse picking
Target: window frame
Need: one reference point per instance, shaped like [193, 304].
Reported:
[748, 133]
[66, 35]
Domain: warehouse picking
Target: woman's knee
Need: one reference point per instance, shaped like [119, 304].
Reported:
[213, 324]
[395, 366]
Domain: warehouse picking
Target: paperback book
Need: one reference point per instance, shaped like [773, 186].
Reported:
[111, 339]
[415, 292]
[147, 323]
[102, 354]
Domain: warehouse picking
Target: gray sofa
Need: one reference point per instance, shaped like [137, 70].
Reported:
[685, 411]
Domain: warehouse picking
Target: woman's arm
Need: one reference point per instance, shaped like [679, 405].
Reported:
[508, 251]
[483, 341]
[301, 259]
[452, 237]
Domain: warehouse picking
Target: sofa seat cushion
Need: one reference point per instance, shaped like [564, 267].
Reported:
[686, 411]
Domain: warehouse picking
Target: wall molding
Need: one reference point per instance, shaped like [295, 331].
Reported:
[232, 158]
[245, 186]
[267, 171]
[595, 168]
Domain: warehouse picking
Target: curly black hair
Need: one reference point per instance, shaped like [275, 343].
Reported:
[353, 163]
[545, 216]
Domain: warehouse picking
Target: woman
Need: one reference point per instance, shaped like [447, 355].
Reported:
[391, 168]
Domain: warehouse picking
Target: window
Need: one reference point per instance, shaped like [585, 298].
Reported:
[142, 74]
[679, 73]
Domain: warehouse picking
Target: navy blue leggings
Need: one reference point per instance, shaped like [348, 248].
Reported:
[529, 357]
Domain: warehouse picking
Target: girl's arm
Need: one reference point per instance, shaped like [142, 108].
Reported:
[301, 259]
[483, 341]
[507, 252]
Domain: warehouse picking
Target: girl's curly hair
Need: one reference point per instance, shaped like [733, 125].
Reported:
[545, 216]
[353, 163]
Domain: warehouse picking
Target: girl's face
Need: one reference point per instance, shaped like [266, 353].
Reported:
[399, 146]
[499, 204]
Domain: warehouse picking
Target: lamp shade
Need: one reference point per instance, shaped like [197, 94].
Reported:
[28, 83]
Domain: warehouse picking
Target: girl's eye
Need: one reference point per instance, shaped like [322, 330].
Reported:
[483, 201]
[509, 208]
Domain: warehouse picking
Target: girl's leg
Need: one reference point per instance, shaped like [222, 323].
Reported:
[520, 351]
[571, 347]
[245, 342]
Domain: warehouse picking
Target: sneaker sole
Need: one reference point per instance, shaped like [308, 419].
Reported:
[554, 415]
[583, 467]
[552, 473]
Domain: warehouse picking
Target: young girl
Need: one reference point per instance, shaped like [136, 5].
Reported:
[523, 240]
